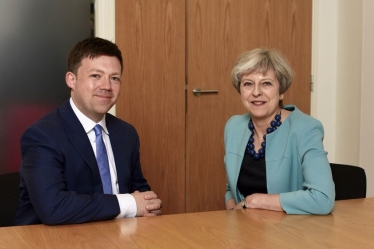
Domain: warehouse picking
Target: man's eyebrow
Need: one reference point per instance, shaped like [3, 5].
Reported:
[103, 72]
[96, 70]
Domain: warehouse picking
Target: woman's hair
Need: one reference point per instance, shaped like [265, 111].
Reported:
[263, 59]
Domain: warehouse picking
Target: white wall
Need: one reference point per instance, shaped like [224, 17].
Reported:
[324, 68]
[367, 91]
[349, 72]
[337, 46]
[343, 62]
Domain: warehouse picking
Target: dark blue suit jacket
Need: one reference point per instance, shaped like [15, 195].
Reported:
[60, 179]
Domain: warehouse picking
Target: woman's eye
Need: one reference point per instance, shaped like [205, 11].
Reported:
[247, 83]
[267, 83]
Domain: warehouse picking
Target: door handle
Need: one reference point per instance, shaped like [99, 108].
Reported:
[197, 91]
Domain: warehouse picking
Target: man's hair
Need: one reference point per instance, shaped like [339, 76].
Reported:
[92, 48]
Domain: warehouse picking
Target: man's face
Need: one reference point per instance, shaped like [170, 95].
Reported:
[95, 88]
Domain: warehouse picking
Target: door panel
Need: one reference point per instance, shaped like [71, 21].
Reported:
[151, 36]
[217, 32]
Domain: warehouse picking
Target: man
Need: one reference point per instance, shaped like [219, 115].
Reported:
[79, 163]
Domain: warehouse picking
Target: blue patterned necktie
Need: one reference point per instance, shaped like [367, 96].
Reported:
[102, 160]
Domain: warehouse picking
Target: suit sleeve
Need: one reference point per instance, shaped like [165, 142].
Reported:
[43, 174]
[138, 181]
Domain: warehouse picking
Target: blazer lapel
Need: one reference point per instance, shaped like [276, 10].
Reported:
[238, 145]
[79, 139]
[117, 144]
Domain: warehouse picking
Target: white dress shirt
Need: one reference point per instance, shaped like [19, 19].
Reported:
[126, 202]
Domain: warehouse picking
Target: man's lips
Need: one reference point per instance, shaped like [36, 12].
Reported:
[104, 96]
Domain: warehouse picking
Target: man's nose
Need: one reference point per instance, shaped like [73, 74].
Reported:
[106, 84]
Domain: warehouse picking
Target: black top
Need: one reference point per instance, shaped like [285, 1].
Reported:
[252, 176]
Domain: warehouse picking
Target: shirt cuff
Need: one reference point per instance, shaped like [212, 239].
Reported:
[127, 205]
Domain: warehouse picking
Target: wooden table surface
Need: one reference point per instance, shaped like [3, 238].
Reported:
[351, 225]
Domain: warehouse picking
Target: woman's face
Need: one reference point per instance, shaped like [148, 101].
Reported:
[260, 94]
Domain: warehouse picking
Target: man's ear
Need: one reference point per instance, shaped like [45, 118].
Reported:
[70, 80]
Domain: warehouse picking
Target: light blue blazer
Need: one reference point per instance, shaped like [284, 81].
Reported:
[296, 163]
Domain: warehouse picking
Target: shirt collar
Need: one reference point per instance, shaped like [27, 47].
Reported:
[87, 123]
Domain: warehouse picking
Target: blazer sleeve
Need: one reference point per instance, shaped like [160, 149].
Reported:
[318, 193]
[228, 194]
[42, 172]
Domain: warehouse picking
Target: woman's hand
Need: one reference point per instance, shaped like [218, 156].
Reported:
[261, 201]
[230, 204]
[239, 205]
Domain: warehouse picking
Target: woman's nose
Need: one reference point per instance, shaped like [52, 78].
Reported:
[257, 91]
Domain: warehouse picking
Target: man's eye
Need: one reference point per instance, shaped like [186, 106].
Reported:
[95, 76]
[116, 78]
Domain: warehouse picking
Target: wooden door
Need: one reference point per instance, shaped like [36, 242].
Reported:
[168, 43]
[151, 36]
[217, 32]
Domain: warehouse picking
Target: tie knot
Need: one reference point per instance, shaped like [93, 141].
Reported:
[97, 129]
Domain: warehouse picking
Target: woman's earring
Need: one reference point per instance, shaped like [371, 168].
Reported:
[281, 97]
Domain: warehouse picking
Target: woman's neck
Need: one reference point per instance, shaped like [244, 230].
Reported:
[262, 124]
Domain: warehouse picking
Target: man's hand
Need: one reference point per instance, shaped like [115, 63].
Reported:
[147, 203]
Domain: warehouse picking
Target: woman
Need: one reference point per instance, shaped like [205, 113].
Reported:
[274, 155]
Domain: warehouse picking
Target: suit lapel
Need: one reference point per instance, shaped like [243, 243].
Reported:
[117, 144]
[79, 139]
